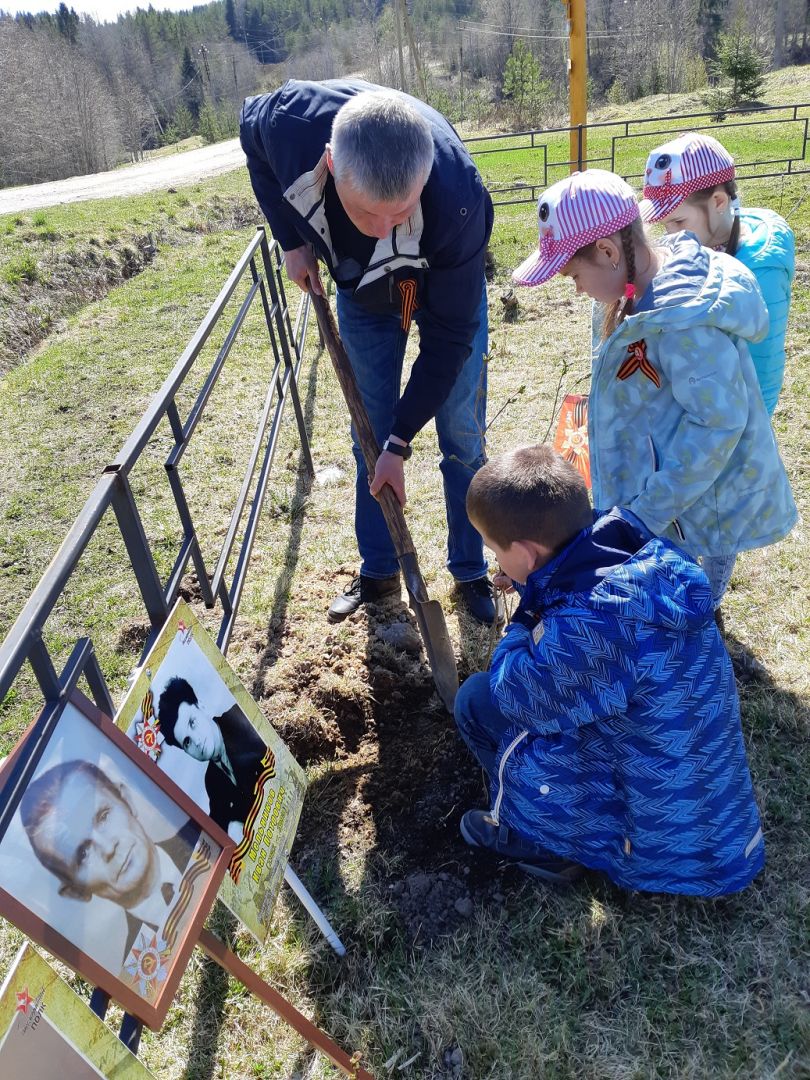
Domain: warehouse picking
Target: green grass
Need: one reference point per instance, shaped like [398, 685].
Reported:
[624, 144]
[591, 983]
[56, 262]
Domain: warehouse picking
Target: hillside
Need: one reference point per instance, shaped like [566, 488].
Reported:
[457, 969]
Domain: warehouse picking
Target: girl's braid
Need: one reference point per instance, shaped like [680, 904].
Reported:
[630, 259]
[620, 309]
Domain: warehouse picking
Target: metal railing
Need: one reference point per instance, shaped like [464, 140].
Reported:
[261, 261]
[260, 265]
[622, 147]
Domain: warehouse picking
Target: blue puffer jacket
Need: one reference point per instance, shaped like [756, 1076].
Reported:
[678, 430]
[624, 750]
[767, 248]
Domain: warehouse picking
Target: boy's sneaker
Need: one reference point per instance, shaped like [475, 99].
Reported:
[480, 831]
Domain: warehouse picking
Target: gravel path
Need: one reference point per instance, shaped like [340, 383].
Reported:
[171, 171]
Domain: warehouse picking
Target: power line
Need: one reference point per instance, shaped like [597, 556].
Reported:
[513, 34]
[485, 29]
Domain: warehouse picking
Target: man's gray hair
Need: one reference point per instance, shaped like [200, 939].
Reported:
[381, 145]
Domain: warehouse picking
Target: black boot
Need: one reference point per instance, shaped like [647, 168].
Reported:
[362, 590]
[479, 598]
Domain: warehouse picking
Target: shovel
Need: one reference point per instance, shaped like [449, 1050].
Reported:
[429, 614]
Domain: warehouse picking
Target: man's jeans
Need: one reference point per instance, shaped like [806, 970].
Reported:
[376, 348]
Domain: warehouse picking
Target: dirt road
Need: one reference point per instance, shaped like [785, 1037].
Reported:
[171, 171]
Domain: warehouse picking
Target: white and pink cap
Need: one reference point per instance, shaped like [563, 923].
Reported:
[573, 213]
[679, 168]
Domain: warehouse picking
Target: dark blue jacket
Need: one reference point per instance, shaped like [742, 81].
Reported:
[624, 750]
[441, 248]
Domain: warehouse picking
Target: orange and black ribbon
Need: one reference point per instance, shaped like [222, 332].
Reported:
[637, 361]
[407, 290]
[200, 864]
[239, 855]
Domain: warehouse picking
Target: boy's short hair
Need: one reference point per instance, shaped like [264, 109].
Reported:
[529, 494]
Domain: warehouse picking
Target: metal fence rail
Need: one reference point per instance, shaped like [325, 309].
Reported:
[539, 157]
[113, 490]
[260, 265]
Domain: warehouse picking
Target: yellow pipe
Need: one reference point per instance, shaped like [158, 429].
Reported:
[577, 80]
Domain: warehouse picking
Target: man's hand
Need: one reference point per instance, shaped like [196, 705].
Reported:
[302, 268]
[503, 582]
[390, 470]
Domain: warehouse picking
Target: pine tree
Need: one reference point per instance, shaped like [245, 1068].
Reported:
[523, 86]
[739, 62]
[191, 83]
[67, 23]
[182, 126]
[209, 124]
[710, 20]
[230, 19]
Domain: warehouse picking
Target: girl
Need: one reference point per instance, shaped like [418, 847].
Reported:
[678, 430]
[689, 184]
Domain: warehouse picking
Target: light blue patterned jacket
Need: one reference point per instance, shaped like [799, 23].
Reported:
[768, 250]
[678, 429]
[623, 749]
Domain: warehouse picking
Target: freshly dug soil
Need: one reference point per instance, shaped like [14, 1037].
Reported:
[402, 776]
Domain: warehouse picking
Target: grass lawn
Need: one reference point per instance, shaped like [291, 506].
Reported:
[457, 967]
[625, 149]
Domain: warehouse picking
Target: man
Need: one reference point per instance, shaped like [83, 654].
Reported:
[83, 829]
[378, 186]
[229, 742]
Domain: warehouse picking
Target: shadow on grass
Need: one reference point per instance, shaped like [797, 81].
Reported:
[213, 982]
[210, 1000]
[298, 512]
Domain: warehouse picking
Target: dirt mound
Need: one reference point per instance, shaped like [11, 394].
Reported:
[398, 778]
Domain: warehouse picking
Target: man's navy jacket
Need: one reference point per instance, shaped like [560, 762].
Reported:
[432, 266]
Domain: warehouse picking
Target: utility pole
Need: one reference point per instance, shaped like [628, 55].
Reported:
[397, 4]
[204, 55]
[577, 81]
[414, 55]
[461, 75]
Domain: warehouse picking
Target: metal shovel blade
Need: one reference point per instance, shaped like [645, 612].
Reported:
[429, 614]
[433, 628]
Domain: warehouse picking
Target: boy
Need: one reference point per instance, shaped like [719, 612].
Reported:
[609, 723]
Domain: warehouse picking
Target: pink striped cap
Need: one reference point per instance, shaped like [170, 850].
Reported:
[573, 213]
[679, 168]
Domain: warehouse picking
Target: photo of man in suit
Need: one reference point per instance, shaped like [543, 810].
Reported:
[228, 742]
[84, 829]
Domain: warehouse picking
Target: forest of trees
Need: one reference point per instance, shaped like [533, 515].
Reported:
[78, 96]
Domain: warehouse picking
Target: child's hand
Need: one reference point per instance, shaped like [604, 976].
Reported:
[503, 582]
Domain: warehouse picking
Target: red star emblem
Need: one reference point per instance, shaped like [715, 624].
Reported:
[24, 1001]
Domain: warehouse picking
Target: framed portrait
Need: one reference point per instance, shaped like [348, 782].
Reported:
[189, 713]
[108, 865]
[47, 1031]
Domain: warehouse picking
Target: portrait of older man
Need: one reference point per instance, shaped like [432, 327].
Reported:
[379, 187]
[84, 829]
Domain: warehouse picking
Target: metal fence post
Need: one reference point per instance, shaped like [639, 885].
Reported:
[286, 338]
[140, 554]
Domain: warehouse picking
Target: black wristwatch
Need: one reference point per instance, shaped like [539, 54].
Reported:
[394, 448]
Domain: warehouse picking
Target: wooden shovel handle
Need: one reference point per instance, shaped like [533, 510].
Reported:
[389, 503]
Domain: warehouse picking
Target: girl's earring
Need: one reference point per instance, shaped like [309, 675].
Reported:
[615, 266]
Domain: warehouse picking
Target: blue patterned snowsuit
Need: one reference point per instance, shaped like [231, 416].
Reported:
[678, 430]
[614, 704]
